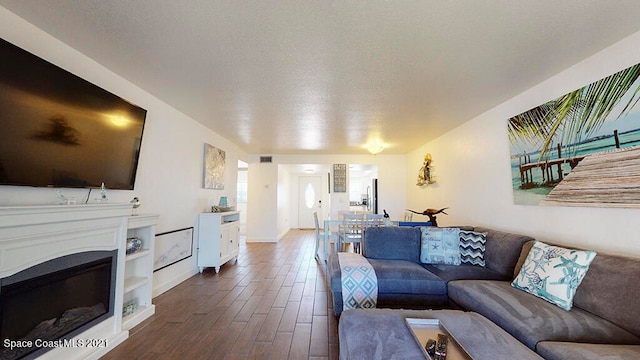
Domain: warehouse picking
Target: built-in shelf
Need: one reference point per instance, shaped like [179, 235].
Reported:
[138, 270]
[139, 254]
[133, 283]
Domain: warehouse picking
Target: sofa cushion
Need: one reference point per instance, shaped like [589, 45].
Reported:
[553, 273]
[383, 334]
[440, 245]
[392, 242]
[472, 247]
[599, 293]
[531, 319]
[552, 350]
[406, 277]
[526, 247]
[401, 283]
[377, 334]
[605, 290]
[464, 272]
[502, 249]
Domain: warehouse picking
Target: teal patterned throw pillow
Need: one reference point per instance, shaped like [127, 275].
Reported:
[440, 245]
[553, 273]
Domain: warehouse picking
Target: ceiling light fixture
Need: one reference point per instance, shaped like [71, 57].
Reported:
[375, 147]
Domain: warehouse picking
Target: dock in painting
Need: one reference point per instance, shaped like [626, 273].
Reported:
[609, 178]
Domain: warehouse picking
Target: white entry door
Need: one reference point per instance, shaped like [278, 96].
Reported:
[309, 200]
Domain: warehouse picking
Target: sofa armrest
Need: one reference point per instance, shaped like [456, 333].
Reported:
[392, 242]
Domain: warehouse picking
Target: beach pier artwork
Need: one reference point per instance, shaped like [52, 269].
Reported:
[547, 169]
[606, 179]
[600, 164]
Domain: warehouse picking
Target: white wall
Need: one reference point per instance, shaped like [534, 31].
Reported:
[169, 177]
[262, 202]
[283, 211]
[472, 167]
[265, 224]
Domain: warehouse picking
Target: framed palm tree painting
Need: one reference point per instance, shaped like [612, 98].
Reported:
[582, 148]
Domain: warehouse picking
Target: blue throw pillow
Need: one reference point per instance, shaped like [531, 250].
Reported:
[553, 273]
[440, 245]
[472, 247]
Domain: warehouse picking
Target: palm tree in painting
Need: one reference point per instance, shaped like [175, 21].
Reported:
[575, 116]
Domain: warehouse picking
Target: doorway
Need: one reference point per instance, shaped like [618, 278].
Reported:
[241, 196]
[309, 200]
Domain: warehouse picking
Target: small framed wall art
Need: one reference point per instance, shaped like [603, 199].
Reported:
[339, 178]
[214, 163]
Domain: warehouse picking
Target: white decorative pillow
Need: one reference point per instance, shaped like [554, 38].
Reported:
[440, 245]
[553, 273]
[472, 247]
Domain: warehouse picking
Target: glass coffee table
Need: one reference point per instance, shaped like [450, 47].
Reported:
[425, 329]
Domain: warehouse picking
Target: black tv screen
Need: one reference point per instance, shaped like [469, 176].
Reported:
[58, 130]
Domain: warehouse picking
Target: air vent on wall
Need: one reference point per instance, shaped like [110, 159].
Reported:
[266, 159]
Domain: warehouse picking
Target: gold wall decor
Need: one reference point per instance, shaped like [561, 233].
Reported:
[425, 175]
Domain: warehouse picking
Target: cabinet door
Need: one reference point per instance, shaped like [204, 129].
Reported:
[234, 243]
[225, 236]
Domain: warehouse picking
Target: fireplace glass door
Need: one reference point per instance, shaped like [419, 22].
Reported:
[55, 300]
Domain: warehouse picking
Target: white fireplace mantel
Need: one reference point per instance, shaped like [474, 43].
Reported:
[30, 235]
[16, 216]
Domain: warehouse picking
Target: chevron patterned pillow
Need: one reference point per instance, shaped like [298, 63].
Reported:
[472, 247]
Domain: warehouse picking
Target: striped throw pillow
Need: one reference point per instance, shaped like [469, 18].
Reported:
[472, 247]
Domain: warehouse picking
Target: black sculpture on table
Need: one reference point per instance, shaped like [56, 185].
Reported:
[431, 213]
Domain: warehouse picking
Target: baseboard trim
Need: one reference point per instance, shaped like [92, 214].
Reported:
[162, 288]
[262, 240]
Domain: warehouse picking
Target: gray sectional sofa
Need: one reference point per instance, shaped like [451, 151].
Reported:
[603, 320]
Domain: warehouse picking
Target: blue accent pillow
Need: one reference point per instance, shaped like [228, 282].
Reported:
[472, 247]
[553, 273]
[440, 245]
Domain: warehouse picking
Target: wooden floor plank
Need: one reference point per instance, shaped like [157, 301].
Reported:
[289, 318]
[270, 304]
[281, 346]
[270, 326]
[319, 337]
[300, 342]
[248, 336]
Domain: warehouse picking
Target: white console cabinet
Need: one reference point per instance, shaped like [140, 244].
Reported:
[138, 270]
[218, 237]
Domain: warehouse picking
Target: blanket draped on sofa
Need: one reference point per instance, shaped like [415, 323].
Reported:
[359, 282]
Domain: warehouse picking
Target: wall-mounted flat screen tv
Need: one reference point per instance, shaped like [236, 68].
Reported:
[58, 130]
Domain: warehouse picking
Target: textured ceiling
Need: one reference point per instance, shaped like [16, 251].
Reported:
[293, 76]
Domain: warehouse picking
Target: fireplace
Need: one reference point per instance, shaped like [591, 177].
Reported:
[47, 253]
[55, 300]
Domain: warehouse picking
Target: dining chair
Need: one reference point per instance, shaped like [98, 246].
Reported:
[320, 234]
[371, 220]
[350, 231]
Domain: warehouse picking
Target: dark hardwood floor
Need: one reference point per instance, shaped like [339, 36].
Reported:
[272, 304]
